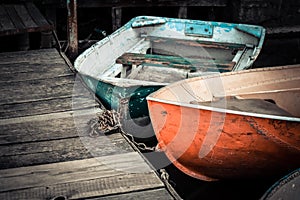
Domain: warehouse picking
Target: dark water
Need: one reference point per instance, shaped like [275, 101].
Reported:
[190, 188]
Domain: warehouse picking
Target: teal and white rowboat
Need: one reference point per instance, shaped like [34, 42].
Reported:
[149, 52]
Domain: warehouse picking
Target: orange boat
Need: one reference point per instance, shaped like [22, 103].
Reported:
[234, 125]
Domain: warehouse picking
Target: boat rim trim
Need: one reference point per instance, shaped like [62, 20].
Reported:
[223, 110]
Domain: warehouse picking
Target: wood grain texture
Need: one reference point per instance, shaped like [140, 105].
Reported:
[22, 18]
[37, 16]
[48, 116]
[24, 71]
[99, 187]
[5, 22]
[36, 90]
[41, 56]
[81, 178]
[40, 128]
[49, 105]
[55, 173]
[46, 145]
[38, 141]
[61, 149]
[40, 88]
[14, 16]
[153, 194]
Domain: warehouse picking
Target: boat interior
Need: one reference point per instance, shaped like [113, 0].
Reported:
[273, 102]
[164, 60]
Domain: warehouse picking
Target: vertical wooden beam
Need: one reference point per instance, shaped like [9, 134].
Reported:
[116, 14]
[182, 12]
[72, 29]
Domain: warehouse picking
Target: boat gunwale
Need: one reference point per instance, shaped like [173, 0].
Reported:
[224, 110]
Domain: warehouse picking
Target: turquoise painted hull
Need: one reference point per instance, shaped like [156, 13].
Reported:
[132, 99]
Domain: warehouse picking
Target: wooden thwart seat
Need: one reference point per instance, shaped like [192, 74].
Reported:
[192, 65]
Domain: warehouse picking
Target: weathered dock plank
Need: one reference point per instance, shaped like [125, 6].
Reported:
[24, 71]
[47, 145]
[21, 18]
[55, 139]
[42, 56]
[120, 185]
[84, 178]
[55, 173]
[156, 194]
[42, 128]
[33, 90]
[47, 105]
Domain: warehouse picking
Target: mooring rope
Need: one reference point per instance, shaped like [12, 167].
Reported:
[165, 178]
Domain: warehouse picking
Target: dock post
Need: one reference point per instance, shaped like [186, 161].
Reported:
[72, 29]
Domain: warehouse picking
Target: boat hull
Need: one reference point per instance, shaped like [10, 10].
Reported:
[234, 125]
[212, 145]
[130, 102]
[117, 98]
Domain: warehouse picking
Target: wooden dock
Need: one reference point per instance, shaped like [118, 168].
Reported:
[46, 148]
[22, 18]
